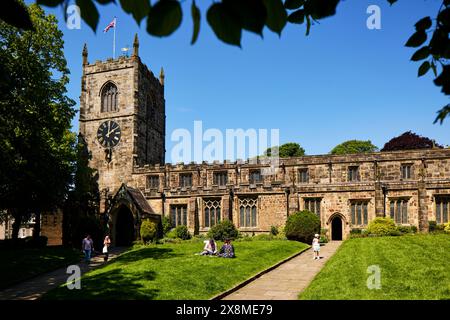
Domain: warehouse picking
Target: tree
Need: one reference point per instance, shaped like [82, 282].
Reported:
[354, 146]
[81, 209]
[228, 18]
[36, 144]
[410, 141]
[290, 149]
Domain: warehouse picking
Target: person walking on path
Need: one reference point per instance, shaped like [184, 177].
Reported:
[106, 244]
[316, 247]
[87, 246]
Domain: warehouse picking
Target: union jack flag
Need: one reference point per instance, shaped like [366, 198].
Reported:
[112, 24]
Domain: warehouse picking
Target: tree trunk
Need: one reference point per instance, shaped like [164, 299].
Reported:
[16, 224]
[37, 225]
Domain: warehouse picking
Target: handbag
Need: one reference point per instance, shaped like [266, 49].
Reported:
[105, 249]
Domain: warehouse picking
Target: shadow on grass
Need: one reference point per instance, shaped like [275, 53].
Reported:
[109, 285]
[148, 253]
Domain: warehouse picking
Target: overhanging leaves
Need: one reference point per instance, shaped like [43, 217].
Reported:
[225, 23]
[276, 15]
[252, 14]
[195, 13]
[293, 4]
[417, 39]
[164, 18]
[423, 24]
[424, 68]
[16, 14]
[421, 54]
[49, 3]
[138, 8]
[89, 13]
[297, 16]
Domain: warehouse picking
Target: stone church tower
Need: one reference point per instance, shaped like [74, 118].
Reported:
[122, 118]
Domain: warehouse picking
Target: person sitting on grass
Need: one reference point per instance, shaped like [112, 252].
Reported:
[227, 250]
[210, 248]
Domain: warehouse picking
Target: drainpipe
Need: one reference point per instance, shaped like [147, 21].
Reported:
[384, 189]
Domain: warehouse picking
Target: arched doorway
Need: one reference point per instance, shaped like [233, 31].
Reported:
[124, 227]
[336, 228]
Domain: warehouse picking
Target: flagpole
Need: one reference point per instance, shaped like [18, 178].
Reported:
[114, 38]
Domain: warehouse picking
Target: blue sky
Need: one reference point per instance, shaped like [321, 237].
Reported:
[341, 82]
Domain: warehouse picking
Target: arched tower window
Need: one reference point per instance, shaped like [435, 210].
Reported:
[109, 97]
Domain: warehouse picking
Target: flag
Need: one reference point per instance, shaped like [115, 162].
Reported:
[112, 24]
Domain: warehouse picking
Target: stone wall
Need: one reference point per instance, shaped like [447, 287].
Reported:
[379, 181]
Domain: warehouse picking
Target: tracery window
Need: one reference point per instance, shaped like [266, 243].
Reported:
[211, 212]
[109, 97]
[248, 212]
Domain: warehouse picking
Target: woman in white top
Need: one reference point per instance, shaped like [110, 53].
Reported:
[316, 247]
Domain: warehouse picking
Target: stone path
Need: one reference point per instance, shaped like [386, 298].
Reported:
[35, 288]
[289, 279]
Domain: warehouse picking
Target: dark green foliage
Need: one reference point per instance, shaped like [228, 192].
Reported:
[195, 13]
[274, 230]
[406, 229]
[81, 211]
[302, 226]
[354, 146]
[432, 226]
[148, 231]
[409, 141]
[166, 225]
[36, 145]
[435, 228]
[223, 230]
[437, 51]
[182, 232]
[290, 149]
[164, 18]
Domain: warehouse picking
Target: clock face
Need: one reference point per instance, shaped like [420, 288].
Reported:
[108, 134]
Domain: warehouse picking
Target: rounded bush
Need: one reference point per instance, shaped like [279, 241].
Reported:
[182, 232]
[302, 226]
[382, 227]
[148, 231]
[223, 230]
[447, 227]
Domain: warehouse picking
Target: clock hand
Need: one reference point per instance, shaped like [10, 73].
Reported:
[109, 133]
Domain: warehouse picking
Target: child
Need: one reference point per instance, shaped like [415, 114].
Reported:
[316, 247]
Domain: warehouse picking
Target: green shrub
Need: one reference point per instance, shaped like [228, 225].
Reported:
[172, 234]
[355, 231]
[407, 229]
[166, 225]
[182, 232]
[447, 227]
[274, 230]
[432, 226]
[223, 230]
[148, 231]
[302, 226]
[382, 227]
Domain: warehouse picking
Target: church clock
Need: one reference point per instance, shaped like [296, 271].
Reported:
[108, 134]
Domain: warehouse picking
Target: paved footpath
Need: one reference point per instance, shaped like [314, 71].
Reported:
[288, 280]
[36, 287]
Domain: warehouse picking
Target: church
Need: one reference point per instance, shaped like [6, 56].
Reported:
[122, 119]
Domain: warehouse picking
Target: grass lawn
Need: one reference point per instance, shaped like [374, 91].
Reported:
[172, 271]
[412, 267]
[20, 264]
